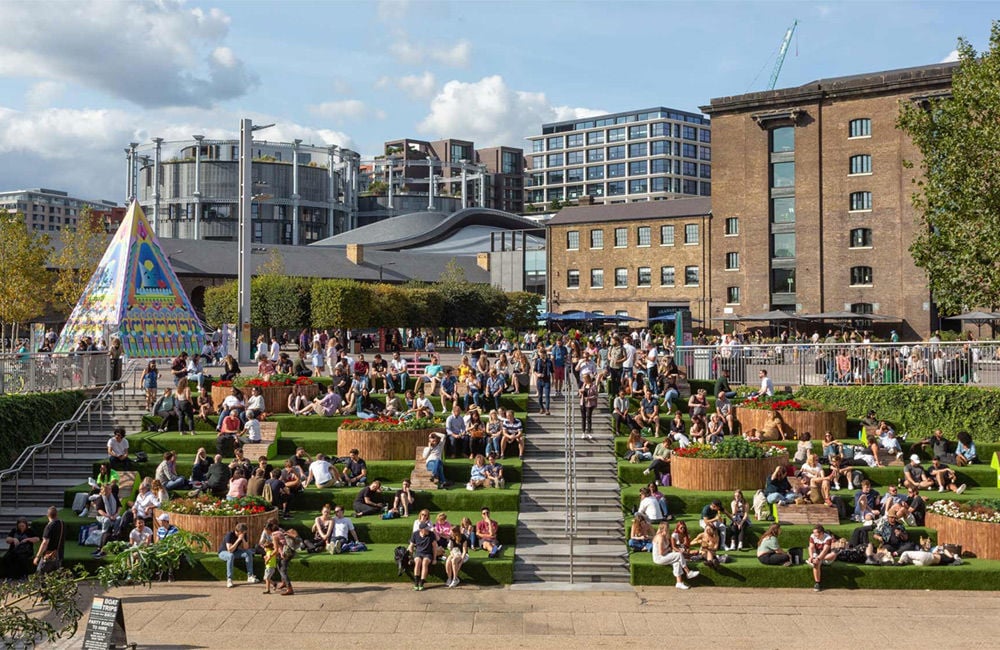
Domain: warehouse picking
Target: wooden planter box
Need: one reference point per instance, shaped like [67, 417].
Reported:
[794, 422]
[980, 537]
[275, 397]
[215, 528]
[722, 473]
[382, 445]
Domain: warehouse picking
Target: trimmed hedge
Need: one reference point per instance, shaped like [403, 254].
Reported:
[25, 420]
[918, 410]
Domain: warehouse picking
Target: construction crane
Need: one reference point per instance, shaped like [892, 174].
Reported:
[781, 56]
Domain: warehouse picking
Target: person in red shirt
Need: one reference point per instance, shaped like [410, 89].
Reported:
[486, 534]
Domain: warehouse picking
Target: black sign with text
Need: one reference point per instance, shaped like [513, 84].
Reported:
[106, 626]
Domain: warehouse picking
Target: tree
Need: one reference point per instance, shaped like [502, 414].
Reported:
[275, 264]
[24, 258]
[522, 310]
[220, 304]
[341, 303]
[958, 196]
[81, 252]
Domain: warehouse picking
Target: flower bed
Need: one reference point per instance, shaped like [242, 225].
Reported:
[385, 438]
[215, 517]
[734, 464]
[275, 391]
[974, 525]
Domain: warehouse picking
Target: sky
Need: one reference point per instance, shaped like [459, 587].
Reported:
[80, 79]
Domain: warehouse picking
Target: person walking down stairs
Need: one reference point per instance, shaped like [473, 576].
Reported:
[588, 402]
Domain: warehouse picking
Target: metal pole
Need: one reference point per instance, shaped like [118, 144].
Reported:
[389, 202]
[133, 188]
[197, 185]
[245, 238]
[430, 183]
[465, 199]
[295, 191]
[156, 184]
[333, 190]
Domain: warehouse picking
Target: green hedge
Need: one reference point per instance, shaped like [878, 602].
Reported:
[26, 419]
[918, 410]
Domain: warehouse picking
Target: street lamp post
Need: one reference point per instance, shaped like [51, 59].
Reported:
[382, 266]
[245, 235]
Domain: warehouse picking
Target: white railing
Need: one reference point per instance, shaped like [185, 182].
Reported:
[37, 372]
[807, 364]
[571, 503]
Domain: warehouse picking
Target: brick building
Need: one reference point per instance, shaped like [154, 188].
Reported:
[637, 259]
[813, 201]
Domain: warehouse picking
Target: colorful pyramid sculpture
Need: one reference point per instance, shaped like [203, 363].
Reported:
[134, 294]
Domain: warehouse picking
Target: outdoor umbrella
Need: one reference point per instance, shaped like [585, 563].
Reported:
[977, 318]
[848, 315]
[619, 318]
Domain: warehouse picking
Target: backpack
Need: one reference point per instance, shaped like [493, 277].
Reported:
[267, 494]
[293, 544]
[761, 508]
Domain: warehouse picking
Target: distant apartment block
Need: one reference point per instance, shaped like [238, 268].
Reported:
[54, 210]
[646, 155]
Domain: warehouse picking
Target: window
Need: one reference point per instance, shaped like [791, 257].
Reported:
[645, 235]
[645, 278]
[860, 128]
[862, 308]
[574, 191]
[861, 276]
[616, 153]
[596, 278]
[666, 235]
[621, 277]
[538, 162]
[635, 132]
[555, 178]
[574, 140]
[861, 164]
[861, 201]
[659, 184]
[637, 168]
[616, 135]
[637, 150]
[537, 146]
[732, 226]
[689, 168]
[555, 143]
[704, 135]
[595, 155]
[691, 233]
[638, 186]
[573, 240]
[666, 276]
[597, 238]
[573, 279]
[689, 151]
[689, 132]
[616, 188]
[783, 245]
[595, 137]
[691, 276]
[783, 139]
[555, 160]
[659, 166]
[616, 170]
[574, 175]
[783, 174]
[705, 171]
[783, 210]
[595, 189]
[621, 237]
[732, 295]
[705, 153]
[574, 158]
[861, 238]
[555, 194]
[783, 280]
[537, 180]
[659, 148]
[732, 261]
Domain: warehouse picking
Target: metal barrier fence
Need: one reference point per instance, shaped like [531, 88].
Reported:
[36, 372]
[806, 364]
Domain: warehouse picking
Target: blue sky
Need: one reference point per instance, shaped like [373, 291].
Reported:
[79, 80]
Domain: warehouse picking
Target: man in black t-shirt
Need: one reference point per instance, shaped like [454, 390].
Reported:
[916, 506]
[355, 470]
[368, 501]
[279, 493]
[301, 458]
[424, 548]
[53, 540]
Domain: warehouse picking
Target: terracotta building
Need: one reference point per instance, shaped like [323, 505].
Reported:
[636, 259]
[812, 199]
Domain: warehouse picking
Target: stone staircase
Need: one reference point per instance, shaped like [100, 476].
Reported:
[543, 551]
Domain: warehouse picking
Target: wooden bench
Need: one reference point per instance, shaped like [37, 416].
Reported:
[806, 513]
[268, 433]
[420, 478]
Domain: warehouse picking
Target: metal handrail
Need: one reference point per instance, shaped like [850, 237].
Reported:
[571, 501]
[60, 430]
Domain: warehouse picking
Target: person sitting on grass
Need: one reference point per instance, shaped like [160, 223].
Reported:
[649, 506]
[945, 477]
[513, 434]
[355, 470]
[739, 521]
[457, 440]
[620, 415]
[660, 462]
[205, 407]
[494, 432]
[328, 405]
[965, 450]
[709, 544]
[677, 432]
[251, 429]
[680, 540]
[449, 390]
[641, 534]
[769, 551]
[716, 429]
[422, 406]
[458, 554]
[486, 534]
[821, 552]
[423, 548]
[477, 475]
[433, 455]
[885, 438]
[815, 476]
[664, 554]
[297, 401]
[403, 499]
[778, 489]
[699, 429]
[928, 555]
[648, 415]
[343, 530]
[320, 472]
[866, 503]
[726, 412]
[915, 476]
[368, 501]
[494, 473]
[433, 373]
[916, 508]
[639, 450]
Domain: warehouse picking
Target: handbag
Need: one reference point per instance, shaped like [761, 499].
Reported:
[50, 560]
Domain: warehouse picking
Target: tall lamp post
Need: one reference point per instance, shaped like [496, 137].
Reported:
[245, 235]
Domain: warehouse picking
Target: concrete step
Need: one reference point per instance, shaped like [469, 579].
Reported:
[611, 576]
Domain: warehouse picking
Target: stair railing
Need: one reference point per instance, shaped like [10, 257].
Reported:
[571, 502]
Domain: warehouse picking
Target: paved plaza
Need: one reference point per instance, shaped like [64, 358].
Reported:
[207, 615]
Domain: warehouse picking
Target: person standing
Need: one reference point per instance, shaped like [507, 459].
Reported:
[588, 402]
[543, 371]
[50, 552]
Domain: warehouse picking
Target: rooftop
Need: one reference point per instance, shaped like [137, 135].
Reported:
[671, 208]
[624, 117]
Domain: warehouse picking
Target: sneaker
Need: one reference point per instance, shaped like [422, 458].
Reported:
[470, 487]
[449, 584]
[454, 583]
[338, 546]
[416, 587]
[693, 574]
[817, 587]
[645, 472]
[739, 547]
[502, 484]
[252, 579]
[961, 488]
[940, 489]
[836, 486]
[682, 585]
[229, 583]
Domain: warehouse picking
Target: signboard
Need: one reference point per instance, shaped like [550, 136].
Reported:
[106, 625]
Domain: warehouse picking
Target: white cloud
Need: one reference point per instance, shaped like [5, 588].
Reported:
[151, 53]
[44, 93]
[391, 10]
[345, 109]
[491, 113]
[456, 57]
[951, 58]
[410, 53]
[417, 86]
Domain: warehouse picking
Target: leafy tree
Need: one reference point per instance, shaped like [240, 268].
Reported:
[82, 250]
[556, 205]
[341, 303]
[424, 307]
[221, 304]
[958, 195]
[522, 310]
[280, 302]
[275, 264]
[389, 305]
[378, 188]
[24, 257]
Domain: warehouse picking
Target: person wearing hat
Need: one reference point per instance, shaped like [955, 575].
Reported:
[423, 548]
[165, 529]
[915, 476]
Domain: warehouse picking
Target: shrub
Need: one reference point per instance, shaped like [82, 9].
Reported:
[987, 510]
[392, 424]
[25, 420]
[781, 403]
[209, 506]
[918, 410]
[731, 447]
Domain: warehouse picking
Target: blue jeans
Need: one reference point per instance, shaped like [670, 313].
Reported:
[229, 558]
[774, 497]
[476, 398]
[544, 395]
[178, 483]
[669, 397]
[492, 446]
[436, 467]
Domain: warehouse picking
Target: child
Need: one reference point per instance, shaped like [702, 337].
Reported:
[469, 530]
[270, 566]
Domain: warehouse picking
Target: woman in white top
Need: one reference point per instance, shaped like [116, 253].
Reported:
[813, 474]
[317, 359]
[663, 555]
